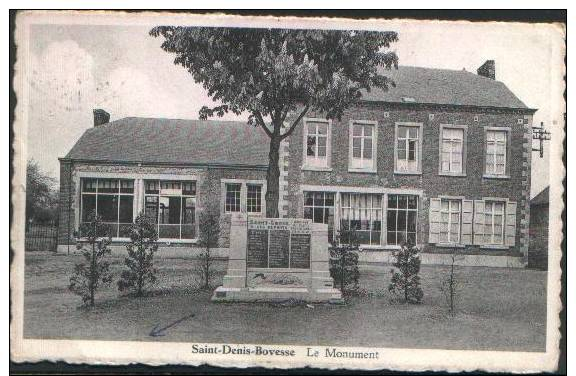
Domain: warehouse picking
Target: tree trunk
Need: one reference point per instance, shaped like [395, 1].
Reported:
[273, 178]
[93, 274]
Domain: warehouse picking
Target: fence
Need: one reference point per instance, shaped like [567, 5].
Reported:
[41, 237]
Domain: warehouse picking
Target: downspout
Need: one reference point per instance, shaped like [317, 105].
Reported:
[69, 204]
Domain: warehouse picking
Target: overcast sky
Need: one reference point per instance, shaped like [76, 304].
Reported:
[75, 68]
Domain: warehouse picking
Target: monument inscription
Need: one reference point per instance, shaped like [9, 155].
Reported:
[278, 243]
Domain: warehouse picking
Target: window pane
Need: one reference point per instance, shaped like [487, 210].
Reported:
[311, 146]
[126, 209]
[356, 147]
[413, 132]
[152, 186]
[367, 149]
[368, 130]
[412, 202]
[189, 188]
[411, 221]
[126, 186]
[402, 132]
[401, 220]
[170, 210]
[402, 201]
[308, 198]
[308, 212]
[88, 185]
[188, 218]
[329, 199]
[411, 150]
[254, 198]
[321, 151]
[167, 231]
[322, 128]
[88, 206]
[108, 208]
[357, 130]
[232, 197]
[318, 215]
[392, 201]
[151, 208]
[107, 186]
[391, 238]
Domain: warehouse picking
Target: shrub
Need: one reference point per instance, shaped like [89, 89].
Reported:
[451, 285]
[405, 283]
[344, 262]
[94, 271]
[140, 271]
[209, 227]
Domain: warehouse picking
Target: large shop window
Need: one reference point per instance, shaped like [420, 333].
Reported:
[451, 158]
[112, 200]
[317, 143]
[173, 206]
[363, 146]
[362, 213]
[401, 219]
[408, 149]
[319, 206]
[496, 145]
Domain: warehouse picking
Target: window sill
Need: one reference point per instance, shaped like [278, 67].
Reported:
[407, 172]
[453, 174]
[450, 245]
[485, 176]
[494, 246]
[160, 241]
[315, 168]
[363, 170]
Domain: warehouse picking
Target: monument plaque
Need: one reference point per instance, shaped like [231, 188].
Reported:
[300, 251]
[279, 248]
[257, 254]
[277, 258]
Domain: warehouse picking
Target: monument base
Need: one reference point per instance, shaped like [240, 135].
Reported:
[276, 294]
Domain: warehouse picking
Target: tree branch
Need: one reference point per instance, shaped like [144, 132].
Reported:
[260, 121]
[293, 126]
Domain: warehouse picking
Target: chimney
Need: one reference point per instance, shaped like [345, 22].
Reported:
[488, 70]
[100, 117]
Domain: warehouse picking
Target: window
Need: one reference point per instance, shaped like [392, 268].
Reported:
[362, 213]
[494, 222]
[172, 204]
[401, 219]
[407, 148]
[450, 211]
[317, 143]
[452, 150]
[112, 200]
[363, 146]
[319, 207]
[254, 198]
[496, 145]
[233, 194]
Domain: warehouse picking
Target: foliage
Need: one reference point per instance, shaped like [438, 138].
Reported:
[41, 197]
[344, 262]
[278, 75]
[209, 226]
[140, 271]
[452, 284]
[405, 283]
[94, 272]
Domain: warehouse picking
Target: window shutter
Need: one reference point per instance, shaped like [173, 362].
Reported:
[434, 221]
[510, 232]
[467, 216]
[478, 222]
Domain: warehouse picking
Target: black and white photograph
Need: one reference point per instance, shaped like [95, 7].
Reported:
[287, 192]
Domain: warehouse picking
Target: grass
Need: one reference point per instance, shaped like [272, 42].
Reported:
[500, 309]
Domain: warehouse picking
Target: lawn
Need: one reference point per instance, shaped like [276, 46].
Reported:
[500, 309]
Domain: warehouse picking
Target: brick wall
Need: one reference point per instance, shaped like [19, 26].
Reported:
[472, 186]
[538, 251]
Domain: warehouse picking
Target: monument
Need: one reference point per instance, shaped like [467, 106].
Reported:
[275, 259]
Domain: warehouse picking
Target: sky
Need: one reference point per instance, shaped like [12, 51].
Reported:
[74, 68]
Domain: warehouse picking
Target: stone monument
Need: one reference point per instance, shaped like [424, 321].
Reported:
[276, 259]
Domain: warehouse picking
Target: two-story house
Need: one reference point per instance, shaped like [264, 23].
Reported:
[441, 160]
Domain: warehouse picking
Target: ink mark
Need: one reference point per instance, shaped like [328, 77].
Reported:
[159, 332]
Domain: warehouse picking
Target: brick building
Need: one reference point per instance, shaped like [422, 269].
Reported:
[539, 224]
[442, 159]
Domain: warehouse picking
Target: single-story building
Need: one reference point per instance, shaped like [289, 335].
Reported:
[539, 221]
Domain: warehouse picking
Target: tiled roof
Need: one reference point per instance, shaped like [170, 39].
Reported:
[541, 198]
[174, 141]
[443, 86]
